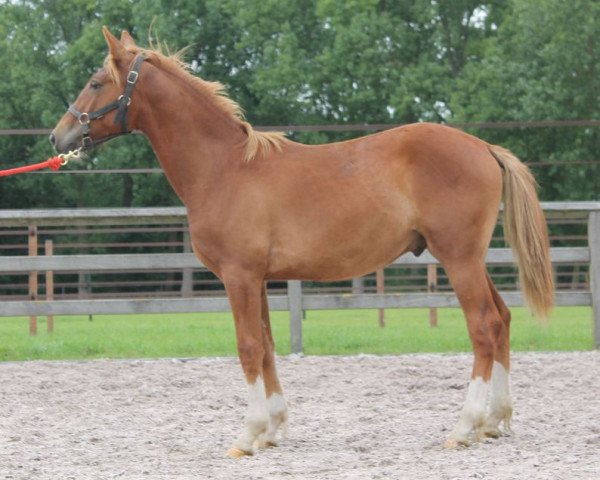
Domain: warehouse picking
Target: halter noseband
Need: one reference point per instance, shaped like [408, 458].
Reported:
[120, 105]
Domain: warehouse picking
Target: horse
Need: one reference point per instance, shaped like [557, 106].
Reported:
[263, 207]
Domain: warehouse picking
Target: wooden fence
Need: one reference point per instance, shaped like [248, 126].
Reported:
[295, 301]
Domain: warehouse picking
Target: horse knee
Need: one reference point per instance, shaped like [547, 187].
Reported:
[506, 316]
[497, 327]
[250, 350]
[251, 355]
[491, 326]
[485, 333]
[486, 336]
[484, 346]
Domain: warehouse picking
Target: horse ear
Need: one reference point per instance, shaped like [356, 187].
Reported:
[115, 47]
[127, 40]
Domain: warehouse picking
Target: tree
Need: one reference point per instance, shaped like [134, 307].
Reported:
[542, 65]
[312, 62]
[41, 70]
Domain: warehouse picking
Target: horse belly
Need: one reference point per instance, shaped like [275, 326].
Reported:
[343, 250]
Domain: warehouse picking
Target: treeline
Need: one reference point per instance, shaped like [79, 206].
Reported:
[314, 62]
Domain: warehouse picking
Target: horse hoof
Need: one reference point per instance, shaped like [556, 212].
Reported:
[237, 453]
[452, 443]
[264, 444]
[492, 432]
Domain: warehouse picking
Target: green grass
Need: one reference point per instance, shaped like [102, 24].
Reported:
[340, 332]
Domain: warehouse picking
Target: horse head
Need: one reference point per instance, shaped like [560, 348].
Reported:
[106, 107]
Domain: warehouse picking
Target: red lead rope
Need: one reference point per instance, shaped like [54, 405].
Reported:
[54, 163]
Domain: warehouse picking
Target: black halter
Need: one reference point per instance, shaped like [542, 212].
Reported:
[120, 105]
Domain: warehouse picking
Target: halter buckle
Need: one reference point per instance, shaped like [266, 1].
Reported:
[132, 77]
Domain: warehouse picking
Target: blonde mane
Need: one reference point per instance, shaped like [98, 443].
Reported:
[257, 142]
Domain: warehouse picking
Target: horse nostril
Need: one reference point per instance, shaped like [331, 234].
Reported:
[52, 139]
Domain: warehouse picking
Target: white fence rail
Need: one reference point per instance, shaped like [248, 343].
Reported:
[295, 301]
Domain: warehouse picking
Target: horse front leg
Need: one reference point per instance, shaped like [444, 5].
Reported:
[275, 400]
[244, 292]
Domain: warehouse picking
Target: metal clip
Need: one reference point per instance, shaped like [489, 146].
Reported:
[84, 118]
[65, 157]
[121, 97]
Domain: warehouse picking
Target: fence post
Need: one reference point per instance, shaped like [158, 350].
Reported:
[32, 244]
[358, 285]
[187, 286]
[49, 251]
[594, 242]
[295, 306]
[380, 288]
[432, 287]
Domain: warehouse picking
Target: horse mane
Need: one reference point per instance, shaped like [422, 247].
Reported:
[257, 142]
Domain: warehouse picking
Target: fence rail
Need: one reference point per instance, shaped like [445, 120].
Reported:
[366, 127]
[177, 215]
[295, 301]
[153, 261]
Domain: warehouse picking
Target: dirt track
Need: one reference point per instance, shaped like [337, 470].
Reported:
[350, 418]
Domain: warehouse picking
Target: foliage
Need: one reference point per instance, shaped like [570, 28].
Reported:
[542, 65]
[313, 62]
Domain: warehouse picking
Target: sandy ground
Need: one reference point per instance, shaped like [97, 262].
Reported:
[350, 418]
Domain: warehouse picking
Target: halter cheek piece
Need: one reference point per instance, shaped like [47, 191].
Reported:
[120, 105]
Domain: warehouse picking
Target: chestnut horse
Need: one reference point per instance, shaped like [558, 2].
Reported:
[262, 207]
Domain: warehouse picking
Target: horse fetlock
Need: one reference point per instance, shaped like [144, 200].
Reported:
[491, 431]
[268, 439]
[500, 414]
[500, 417]
[468, 428]
[278, 419]
[257, 426]
[253, 428]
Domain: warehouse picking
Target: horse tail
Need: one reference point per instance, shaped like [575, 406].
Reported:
[526, 231]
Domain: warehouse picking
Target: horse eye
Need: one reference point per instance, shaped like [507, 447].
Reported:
[95, 85]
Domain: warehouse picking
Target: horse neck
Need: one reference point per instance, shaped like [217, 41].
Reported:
[192, 137]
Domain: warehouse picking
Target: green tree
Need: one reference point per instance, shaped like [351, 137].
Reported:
[41, 70]
[542, 65]
[311, 62]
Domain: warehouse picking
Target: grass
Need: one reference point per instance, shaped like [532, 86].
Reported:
[340, 332]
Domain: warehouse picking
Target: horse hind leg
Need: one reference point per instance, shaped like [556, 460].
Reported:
[484, 324]
[276, 404]
[500, 408]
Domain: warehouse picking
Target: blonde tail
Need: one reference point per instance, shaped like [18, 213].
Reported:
[526, 232]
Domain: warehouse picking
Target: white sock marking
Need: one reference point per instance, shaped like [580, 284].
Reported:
[257, 401]
[257, 416]
[473, 412]
[500, 403]
[500, 385]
